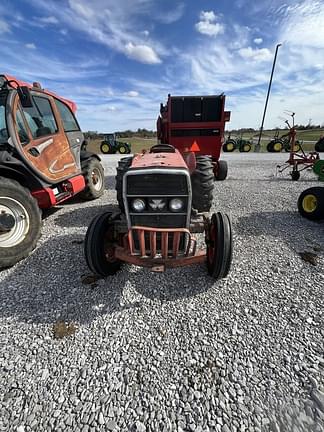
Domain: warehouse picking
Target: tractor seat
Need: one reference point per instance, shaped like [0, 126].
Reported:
[162, 148]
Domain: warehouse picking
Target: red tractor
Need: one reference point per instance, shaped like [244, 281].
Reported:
[41, 163]
[195, 123]
[164, 197]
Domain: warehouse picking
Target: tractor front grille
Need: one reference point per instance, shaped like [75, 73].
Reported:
[158, 184]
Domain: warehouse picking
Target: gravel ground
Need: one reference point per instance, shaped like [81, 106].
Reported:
[173, 351]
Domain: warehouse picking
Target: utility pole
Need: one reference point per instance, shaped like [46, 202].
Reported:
[258, 146]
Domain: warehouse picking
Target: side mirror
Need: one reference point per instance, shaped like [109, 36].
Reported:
[25, 97]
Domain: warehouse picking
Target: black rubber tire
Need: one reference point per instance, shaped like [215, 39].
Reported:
[273, 146]
[319, 146]
[270, 147]
[98, 237]
[245, 148]
[220, 173]
[318, 212]
[106, 148]
[225, 146]
[10, 256]
[220, 247]
[202, 183]
[123, 148]
[296, 149]
[295, 175]
[123, 166]
[91, 191]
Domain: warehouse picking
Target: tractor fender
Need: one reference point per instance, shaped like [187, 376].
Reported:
[86, 155]
[22, 175]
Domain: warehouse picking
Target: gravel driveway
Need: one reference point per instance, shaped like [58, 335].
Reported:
[173, 351]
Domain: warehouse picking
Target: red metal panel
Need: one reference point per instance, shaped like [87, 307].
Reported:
[164, 160]
[76, 184]
[45, 198]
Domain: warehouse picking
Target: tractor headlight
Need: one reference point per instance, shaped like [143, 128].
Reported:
[176, 204]
[138, 205]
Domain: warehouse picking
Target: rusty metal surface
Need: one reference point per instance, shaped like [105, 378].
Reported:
[124, 255]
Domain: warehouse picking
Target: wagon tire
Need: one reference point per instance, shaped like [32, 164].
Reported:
[20, 229]
[99, 246]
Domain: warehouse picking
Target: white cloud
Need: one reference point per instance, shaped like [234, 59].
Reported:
[146, 33]
[142, 53]
[258, 41]
[4, 27]
[30, 46]
[172, 15]
[208, 25]
[258, 55]
[132, 93]
[48, 20]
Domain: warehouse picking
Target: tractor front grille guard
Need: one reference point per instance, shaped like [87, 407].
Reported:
[169, 254]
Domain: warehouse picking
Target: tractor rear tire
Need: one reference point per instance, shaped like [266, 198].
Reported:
[94, 177]
[270, 147]
[99, 246]
[277, 146]
[202, 181]
[220, 170]
[311, 203]
[123, 166]
[106, 148]
[319, 146]
[219, 246]
[19, 238]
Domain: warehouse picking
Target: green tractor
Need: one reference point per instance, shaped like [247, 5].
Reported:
[311, 200]
[231, 144]
[110, 145]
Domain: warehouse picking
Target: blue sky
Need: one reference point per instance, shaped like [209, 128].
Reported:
[118, 59]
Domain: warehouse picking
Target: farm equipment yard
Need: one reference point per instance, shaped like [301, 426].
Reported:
[175, 351]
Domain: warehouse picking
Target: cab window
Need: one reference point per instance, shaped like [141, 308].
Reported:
[40, 118]
[21, 130]
[69, 122]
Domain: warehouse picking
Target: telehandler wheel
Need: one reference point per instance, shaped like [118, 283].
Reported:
[123, 165]
[106, 148]
[295, 175]
[94, 177]
[219, 245]
[99, 246]
[20, 222]
[229, 146]
[220, 170]
[311, 203]
[202, 180]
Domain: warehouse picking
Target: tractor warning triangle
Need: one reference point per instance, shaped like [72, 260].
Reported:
[195, 147]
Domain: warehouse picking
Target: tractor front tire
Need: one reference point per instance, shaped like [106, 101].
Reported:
[123, 148]
[202, 180]
[311, 203]
[22, 228]
[229, 146]
[94, 177]
[123, 166]
[245, 148]
[220, 170]
[219, 246]
[99, 246]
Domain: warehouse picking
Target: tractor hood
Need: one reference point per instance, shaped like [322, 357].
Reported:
[159, 160]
